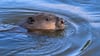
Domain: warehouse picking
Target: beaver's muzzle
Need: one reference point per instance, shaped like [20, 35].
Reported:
[60, 24]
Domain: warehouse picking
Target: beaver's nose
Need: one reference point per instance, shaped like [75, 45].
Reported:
[62, 22]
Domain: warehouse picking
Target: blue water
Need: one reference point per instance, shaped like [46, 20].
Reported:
[80, 37]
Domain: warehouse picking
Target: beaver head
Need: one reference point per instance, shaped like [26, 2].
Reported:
[44, 21]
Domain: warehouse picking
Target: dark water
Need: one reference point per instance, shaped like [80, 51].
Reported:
[80, 38]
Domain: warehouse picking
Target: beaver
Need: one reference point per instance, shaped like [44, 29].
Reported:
[43, 21]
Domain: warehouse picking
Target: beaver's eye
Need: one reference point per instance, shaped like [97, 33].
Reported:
[30, 20]
[47, 19]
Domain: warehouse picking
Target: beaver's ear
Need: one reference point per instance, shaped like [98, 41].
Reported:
[30, 20]
[57, 18]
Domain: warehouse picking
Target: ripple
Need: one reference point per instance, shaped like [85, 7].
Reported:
[74, 40]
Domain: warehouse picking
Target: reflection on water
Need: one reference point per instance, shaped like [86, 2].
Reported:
[74, 40]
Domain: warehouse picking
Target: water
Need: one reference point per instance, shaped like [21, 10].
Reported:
[80, 38]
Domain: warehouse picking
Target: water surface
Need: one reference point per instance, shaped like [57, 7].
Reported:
[79, 38]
